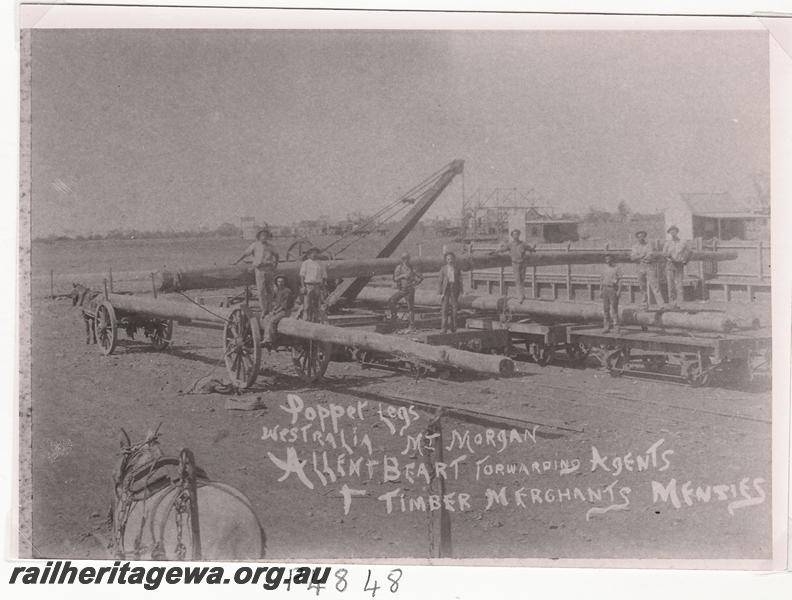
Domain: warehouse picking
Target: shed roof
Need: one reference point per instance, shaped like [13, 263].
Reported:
[722, 205]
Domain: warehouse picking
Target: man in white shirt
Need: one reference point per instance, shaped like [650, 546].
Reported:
[647, 270]
[517, 250]
[405, 279]
[313, 276]
[677, 256]
[265, 262]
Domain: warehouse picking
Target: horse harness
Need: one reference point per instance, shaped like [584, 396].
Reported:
[157, 478]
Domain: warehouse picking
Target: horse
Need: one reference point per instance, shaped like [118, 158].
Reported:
[88, 300]
[168, 509]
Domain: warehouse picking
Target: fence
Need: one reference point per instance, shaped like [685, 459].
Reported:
[747, 278]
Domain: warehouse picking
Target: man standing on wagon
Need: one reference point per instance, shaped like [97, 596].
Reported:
[647, 272]
[610, 290]
[677, 256]
[265, 262]
[405, 280]
[313, 276]
[517, 249]
[449, 288]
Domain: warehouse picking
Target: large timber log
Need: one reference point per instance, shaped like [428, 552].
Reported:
[165, 308]
[701, 321]
[234, 276]
[377, 342]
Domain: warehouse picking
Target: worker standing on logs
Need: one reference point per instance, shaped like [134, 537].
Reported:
[517, 250]
[265, 262]
[449, 288]
[282, 301]
[405, 280]
[677, 256]
[313, 277]
[610, 289]
[647, 272]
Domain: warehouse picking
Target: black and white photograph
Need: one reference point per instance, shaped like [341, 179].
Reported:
[428, 294]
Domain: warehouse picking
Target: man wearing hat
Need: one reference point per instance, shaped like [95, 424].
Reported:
[449, 288]
[405, 280]
[313, 276]
[265, 262]
[281, 306]
[647, 271]
[677, 256]
[517, 250]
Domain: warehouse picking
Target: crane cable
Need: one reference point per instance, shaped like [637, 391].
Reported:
[383, 215]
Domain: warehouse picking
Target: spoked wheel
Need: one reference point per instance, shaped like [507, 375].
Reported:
[161, 335]
[617, 361]
[539, 352]
[242, 355]
[105, 327]
[311, 358]
[697, 373]
[577, 353]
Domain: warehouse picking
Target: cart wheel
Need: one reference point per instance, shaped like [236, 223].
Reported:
[242, 347]
[697, 373]
[161, 336]
[311, 358]
[577, 353]
[540, 353]
[105, 327]
[617, 361]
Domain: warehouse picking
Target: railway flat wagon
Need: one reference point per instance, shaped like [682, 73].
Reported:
[694, 358]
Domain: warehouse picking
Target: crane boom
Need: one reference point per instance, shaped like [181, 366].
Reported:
[348, 289]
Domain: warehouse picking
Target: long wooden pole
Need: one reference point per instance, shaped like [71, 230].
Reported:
[345, 336]
[377, 342]
[235, 276]
[701, 321]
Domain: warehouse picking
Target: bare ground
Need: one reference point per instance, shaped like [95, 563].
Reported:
[81, 399]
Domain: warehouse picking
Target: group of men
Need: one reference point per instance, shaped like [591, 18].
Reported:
[676, 253]
[406, 278]
[277, 299]
[275, 296]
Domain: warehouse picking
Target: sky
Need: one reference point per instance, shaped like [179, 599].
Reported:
[157, 129]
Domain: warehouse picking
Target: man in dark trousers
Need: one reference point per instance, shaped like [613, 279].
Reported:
[610, 286]
[647, 271]
[405, 280]
[517, 249]
[449, 288]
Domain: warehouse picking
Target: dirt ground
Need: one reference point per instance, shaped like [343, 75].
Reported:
[81, 399]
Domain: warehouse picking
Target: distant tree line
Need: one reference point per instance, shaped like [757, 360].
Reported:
[623, 213]
[224, 230]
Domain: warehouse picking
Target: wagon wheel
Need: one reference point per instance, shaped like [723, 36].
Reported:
[242, 355]
[161, 336]
[311, 358]
[105, 327]
[577, 353]
[617, 361]
[540, 353]
[697, 373]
